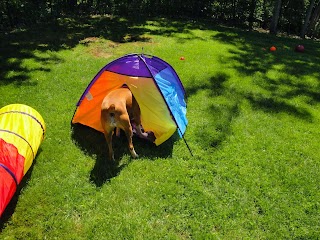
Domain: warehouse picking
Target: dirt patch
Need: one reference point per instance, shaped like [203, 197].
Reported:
[99, 47]
[102, 48]
[89, 40]
[100, 52]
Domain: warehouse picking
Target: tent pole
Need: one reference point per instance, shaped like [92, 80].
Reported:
[166, 102]
[186, 142]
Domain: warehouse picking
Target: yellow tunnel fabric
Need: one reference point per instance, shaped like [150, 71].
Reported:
[155, 115]
[23, 127]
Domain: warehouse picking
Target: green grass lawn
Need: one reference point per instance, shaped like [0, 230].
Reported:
[253, 129]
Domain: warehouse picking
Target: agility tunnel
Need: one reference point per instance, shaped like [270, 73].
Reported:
[22, 130]
[154, 84]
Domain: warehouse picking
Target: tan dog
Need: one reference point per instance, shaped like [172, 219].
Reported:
[117, 109]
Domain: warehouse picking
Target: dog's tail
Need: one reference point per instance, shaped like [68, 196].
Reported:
[112, 111]
[112, 108]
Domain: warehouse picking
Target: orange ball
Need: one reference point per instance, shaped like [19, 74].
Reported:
[273, 48]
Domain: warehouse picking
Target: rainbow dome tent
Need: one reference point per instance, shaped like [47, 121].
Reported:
[21, 132]
[154, 84]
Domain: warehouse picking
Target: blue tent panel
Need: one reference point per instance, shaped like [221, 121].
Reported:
[173, 94]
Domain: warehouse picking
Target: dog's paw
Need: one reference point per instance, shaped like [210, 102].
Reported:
[134, 155]
[144, 135]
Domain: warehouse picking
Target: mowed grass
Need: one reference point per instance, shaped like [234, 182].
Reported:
[253, 130]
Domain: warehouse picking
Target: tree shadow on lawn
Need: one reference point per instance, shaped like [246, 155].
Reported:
[225, 99]
[93, 143]
[219, 115]
[19, 45]
[9, 210]
[251, 55]
[251, 58]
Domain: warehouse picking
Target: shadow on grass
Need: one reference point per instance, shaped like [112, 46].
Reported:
[93, 143]
[214, 84]
[9, 210]
[19, 45]
[276, 82]
[276, 105]
[271, 95]
[22, 44]
[282, 74]
[219, 115]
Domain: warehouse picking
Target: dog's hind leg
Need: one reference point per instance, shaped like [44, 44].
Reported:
[128, 131]
[108, 137]
[118, 132]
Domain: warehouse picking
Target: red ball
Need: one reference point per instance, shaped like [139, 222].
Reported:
[273, 48]
[182, 58]
[299, 48]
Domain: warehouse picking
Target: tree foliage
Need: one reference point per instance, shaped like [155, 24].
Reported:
[300, 17]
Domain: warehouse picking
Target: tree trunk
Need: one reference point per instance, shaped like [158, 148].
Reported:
[307, 19]
[71, 6]
[314, 19]
[233, 11]
[275, 17]
[252, 10]
[265, 16]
